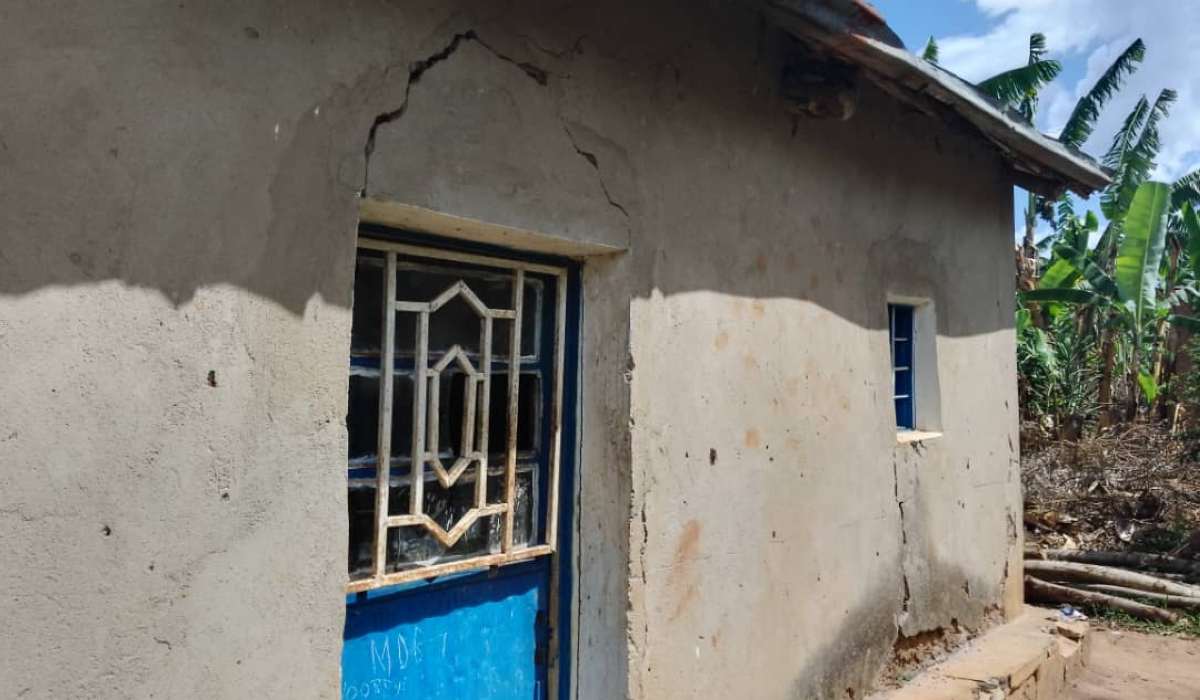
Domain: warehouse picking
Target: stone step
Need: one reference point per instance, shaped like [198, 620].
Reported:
[1032, 657]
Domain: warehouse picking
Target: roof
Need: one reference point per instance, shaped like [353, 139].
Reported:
[854, 32]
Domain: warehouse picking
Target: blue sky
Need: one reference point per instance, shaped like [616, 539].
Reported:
[979, 38]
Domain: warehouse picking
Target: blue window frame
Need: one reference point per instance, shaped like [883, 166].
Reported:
[900, 333]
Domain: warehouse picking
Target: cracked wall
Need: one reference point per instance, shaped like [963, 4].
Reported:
[482, 135]
[747, 525]
[791, 541]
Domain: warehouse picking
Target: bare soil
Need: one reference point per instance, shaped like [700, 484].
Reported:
[1128, 665]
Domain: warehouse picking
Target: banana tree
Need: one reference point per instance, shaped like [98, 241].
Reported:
[1083, 118]
[1130, 158]
[930, 52]
[1180, 286]
[1018, 88]
[1128, 297]
[1137, 272]
[1057, 374]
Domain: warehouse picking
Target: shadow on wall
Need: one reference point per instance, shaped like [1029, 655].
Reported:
[192, 147]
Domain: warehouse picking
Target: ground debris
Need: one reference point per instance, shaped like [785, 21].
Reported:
[1124, 490]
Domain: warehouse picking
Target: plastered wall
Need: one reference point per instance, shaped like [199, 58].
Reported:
[178, 203]
[792, 541]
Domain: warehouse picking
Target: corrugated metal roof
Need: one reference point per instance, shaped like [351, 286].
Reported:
[854, 32]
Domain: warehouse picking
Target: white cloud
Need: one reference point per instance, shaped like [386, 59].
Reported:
[1095, 32]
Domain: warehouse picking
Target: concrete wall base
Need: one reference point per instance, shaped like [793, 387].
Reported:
[1033, 657]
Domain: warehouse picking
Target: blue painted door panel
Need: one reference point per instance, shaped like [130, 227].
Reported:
[450, 641]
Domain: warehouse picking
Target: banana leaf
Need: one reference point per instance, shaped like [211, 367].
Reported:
[1141, 249]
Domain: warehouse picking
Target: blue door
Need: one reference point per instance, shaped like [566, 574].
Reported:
[458, 382]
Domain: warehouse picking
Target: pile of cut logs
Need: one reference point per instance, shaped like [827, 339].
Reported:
[1116, 580]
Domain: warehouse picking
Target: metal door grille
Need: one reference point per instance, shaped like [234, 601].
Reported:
[425, 369]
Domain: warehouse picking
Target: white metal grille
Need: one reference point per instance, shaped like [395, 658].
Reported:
[426, 464]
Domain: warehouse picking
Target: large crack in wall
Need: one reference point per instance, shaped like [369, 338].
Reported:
[418, 69]
[903, 540]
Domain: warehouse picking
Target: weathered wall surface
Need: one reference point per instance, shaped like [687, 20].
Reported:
[791, 539]
[178, 196]
[170, 212]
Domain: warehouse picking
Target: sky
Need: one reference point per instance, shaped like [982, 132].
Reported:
[979, 38]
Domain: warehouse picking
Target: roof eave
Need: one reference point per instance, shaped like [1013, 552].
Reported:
[1040, 163]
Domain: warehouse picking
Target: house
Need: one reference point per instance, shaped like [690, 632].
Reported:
[699, 321]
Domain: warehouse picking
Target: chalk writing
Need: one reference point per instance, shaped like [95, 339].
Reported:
[408, 650]
[374, 688]
[381, 657]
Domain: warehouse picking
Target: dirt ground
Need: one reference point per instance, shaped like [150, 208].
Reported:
[1130, 665]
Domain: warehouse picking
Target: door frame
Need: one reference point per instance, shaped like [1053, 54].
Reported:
[439, 232]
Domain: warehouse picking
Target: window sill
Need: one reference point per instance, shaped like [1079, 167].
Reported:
[904, 437]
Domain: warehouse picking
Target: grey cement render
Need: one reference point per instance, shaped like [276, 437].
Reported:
[179, 191]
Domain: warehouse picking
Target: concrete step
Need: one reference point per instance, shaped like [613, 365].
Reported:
[1033, 657]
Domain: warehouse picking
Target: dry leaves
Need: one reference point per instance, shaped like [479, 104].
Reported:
[1124, 490]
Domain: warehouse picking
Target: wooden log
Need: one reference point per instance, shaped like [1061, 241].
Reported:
[1092, 573]
[1129, 560]
[1171, 601]
[1041, 591]
[1181, 578]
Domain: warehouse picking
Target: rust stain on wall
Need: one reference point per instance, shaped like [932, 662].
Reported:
[683, 579]
[758, 308]
[751, 364]
[721, 340]
[685, 601]
[688, 545]
[753, 439]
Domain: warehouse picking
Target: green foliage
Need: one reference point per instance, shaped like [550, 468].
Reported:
[1083, 118]
[1191, 230]
[1058, 372]
[1148, 386]
[1013, 86]
[1188, 624]
[930, 53]
[1137, 264]
[1063, 295]
[1018, 87]
[1187, 323]
[1098, 323]
[1133, 151]
[1186, 190]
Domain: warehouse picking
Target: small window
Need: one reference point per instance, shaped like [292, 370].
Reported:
[913, 340]
[900, 330]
